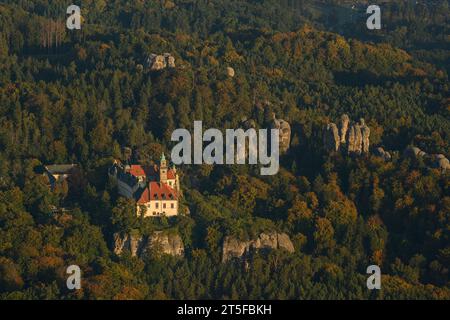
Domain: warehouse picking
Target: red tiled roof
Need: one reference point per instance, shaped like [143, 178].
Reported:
[139, 171]
[170, 174]
[157, 191]
[148, 171]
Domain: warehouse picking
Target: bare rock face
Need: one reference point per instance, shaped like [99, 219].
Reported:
[441, 162]
[436, 161]
[358, 139]
[159, 62]
[365, 133]
[343, 127]
[248, 123]
[351, 140]
[161, 242]
[230, 72]
[170, 60]
[119, 243]
[331, 138]
[135, 245]
[164, 243]
[285, 133]
[380, 152]
[234, 248]
[127, 242]
[355, 138]
[156, 62]
[414, 152]
[284, 242]
[266, 241]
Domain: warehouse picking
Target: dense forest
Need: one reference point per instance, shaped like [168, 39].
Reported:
[82, 96]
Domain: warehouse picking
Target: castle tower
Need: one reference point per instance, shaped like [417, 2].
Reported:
[163, 169]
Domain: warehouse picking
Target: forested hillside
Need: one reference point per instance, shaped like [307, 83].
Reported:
[81, 96]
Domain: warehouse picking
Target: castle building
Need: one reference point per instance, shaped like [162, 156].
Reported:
[156, 189]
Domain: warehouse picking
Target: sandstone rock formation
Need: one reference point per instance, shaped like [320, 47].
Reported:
[354, 138]
[170, 60]
[158, 62]
[164, 243]
[365, 135]
[441, 162]
[351, 145]
[140, 246]
[248, 123]
[234, 248]
[437, 161]
[343, 127]
[380, 152]
[127, 242]
[331, 137]
[230, 72]
[358, 139]
[285, 133]
[120, 243]
[414, 152]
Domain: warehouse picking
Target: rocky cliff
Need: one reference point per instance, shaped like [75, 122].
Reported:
[440, 162]
[230, 72]
[343, 126]
[365, 136]
[165, 244]
[234, 248]
[158, 62]
[354, 138]
[413, 152]
[282, 125]
[385, 155]
[285, 133]
[331, 139]
[436, 161]
[158, 242]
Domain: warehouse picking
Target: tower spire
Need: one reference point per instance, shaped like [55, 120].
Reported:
[163, 169]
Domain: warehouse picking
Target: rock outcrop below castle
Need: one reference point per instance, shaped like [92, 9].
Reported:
[159, 243]
[234, 248]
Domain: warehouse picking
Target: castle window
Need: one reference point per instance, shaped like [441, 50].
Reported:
[156, 205]
[164, 205]
[172, 206]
